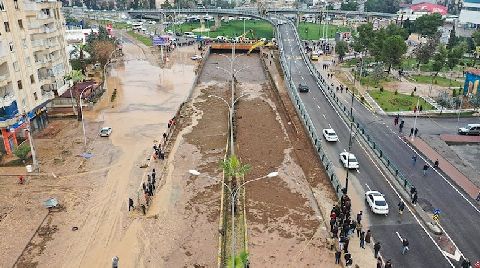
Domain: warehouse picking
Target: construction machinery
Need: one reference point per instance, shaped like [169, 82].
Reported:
[262, 43]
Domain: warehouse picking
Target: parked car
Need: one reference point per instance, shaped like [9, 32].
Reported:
[349, 160]
[303, 88]
[470, 129]
[105, 131]
[330, 134]
[196, 57]
[377, 203]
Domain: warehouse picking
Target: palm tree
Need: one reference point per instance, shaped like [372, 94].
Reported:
[76, 76]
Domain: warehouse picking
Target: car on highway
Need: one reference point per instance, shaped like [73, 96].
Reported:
[470, 129]
[330, 134]
[349, 160]
[303, 88]
[377, 203]
[196, 57]
[105, 131]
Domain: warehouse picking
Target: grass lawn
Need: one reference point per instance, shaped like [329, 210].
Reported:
[439, 80]
[391, 102]
[142, 38]
[260, 29]
[353, 62]
[313, 31]
[370, 82]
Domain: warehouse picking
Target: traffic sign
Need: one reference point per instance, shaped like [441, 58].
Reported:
[436, 211]
[436, 217]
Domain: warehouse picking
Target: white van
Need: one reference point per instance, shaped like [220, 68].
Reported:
[470, 129]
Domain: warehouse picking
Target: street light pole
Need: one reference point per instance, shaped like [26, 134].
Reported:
[83, 121]
[349, 142]
[233, 197]
[32, 145]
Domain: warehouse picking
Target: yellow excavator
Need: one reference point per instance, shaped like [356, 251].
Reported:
[261, 43]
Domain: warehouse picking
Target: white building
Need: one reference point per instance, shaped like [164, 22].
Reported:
[470, 13]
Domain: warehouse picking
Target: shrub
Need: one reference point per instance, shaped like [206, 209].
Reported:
[22, 151]
[412, 94]
[454, 92]
[381, 89]
[396, 92]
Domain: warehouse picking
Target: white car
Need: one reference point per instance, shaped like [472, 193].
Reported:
[330, 134]
[196, 57]
[349, 160]
[105, 131]
[377, 203]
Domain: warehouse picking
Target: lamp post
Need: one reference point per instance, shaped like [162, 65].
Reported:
[30, 140]
[349, 142]
[233, 197]
[81, 113]
[230, 117]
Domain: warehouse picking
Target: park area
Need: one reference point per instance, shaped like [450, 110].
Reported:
[314, 31]
[257, 28]
[394, 101]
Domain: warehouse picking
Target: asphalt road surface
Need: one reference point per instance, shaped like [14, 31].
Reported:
[386, 229]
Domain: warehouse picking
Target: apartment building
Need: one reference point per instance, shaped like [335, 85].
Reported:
[470, 13]
[33, 65]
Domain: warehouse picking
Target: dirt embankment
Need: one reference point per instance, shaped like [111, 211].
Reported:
[285, 225]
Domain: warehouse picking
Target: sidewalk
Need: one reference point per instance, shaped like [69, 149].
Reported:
[446, 167]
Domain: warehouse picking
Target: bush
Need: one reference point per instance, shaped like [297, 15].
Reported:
[412, 94]
[381, 89]
[454, 92]
[22, 151]
[396, 92]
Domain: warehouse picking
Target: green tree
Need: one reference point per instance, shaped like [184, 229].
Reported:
[350, 5]
[475, 101]
[76, 76]
[476, 37]
[452, 40]
[428, 25]
[424, 53]
[341, 49]
[232, 167]
[455, 54]
[385, 6]
[166, 5]
[22, 151]
[439, 59]
[240, 260]
[393, 29]
[393, 50]
[363, 37]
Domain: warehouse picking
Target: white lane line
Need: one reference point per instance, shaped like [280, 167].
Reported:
[318, 106]
[358, 170]
[368, 187]
[324, 116]
[445, 179]
[399, 237]
[329, 126]
[393, 188]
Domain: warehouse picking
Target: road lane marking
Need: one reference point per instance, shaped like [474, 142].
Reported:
[399, 237]
[324, 116]
[368, 187]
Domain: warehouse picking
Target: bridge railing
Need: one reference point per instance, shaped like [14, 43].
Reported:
[306, 120]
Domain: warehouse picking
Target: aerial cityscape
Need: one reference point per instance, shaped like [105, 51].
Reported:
[246, 133]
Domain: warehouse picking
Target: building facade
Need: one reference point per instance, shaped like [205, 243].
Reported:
[33, 66]
[470, 13]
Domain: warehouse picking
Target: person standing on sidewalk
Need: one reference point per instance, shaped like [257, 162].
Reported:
[425, 168]
[345, 246]
[338, 254]
[414, 159]
[359, 229]
[130, 204]
[359, 216]
[435, 164]
[376, 248]
[411, 132]
[362, 239]
[414, 198]
[379, 262]
[415, 132]
[368, 236]
[405, 246]
[115, 261]
[478, 197]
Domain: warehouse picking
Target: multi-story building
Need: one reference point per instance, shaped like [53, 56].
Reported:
[470, 13]
[33, 65]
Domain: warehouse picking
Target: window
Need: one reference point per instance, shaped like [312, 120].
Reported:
[32, 79]
[19, 84]
[10, 45]
[24, 42]
[15, 2]
[35, 95]
[2, 6]
[16, 67]
[7, 26]
[27, 61]
[20, 24]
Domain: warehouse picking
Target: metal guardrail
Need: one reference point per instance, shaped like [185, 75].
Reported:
[305, 118]
[329, 93]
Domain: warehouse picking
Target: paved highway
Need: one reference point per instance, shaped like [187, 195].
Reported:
[424, 252]
[460, 213]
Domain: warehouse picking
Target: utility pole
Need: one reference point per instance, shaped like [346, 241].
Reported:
[32, 145]
[349, 142]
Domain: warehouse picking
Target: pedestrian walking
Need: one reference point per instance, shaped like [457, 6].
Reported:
[345, 245]
[359, 229]
[144, 210]
[379, 262]
[21, 180]
[149, 179]
[405, 246]
[348, 259]
[338, 254]
[411, 132]
[144, 187]
[478, 197]
[401, 207]
[414, 198]
[466, 263]
[388, 264]
[368, 236]
[415, 132]
[359, 216]
[395, 121]
[376, 248]
[115, 262]
[362, 239]
[400, 127]
[130, 204]
[164, 136]
[414, 159]
[425, 168]
[335, 231]
[412, 191]
[332, 223]
[435, 164]
[341, 243]
[154, 174]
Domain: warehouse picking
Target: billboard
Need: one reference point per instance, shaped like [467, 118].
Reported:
[472, 81]
[161, 40]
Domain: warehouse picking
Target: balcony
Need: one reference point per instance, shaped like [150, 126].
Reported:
[8, 109]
